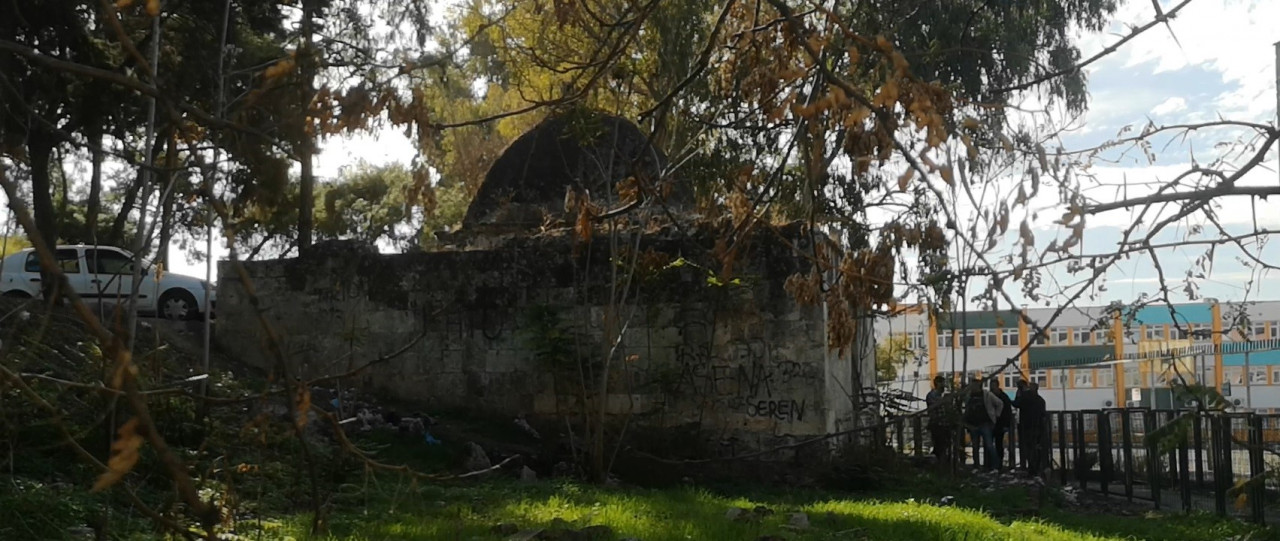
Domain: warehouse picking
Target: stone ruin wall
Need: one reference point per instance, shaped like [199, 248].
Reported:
[743, 364]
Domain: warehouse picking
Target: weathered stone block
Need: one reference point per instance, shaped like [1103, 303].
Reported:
[722, 359]
[544, 404]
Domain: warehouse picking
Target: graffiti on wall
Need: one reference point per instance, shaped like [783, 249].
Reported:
[748, 377]
[781, 410]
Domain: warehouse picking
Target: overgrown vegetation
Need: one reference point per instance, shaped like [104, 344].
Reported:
[376, 507]
[246, 461]
[149, 123]
[700, 514]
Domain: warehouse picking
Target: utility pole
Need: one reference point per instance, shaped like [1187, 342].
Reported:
[964, 323]
[141, 242]
[1248, 381]
[220, 111]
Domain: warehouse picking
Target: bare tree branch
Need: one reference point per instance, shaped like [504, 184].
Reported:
[1106, 51]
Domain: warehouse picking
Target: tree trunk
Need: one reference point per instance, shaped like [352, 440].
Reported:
[307, 69]
[166, 231]
[65, 185]
[116, 236]
[95, 184]
[166, 203]
[40, 150]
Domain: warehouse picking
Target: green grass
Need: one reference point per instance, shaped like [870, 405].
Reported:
[433, 512]
[43, 486]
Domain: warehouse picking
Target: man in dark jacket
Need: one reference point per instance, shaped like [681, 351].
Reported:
[939, 416]
[981, 411]
[1004, 423]
[1032, 424]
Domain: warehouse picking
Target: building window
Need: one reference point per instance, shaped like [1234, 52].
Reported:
[1058, 336]
[1040, 377]
[1180, 332]
[1010, 338]
[1102, 336]
[916, 341]
[1275, 375]
[1154, 332]
[987, 338]
[1011, 380]
[1060, 378]
[1106, 377]
[1257, 375]
[1233, 375]
[1200, 332]
[1084, 378]
[966, 339]
[944, 339]
[1080, 336]
[1132, 376]
[1259, 331]
[1041, 338]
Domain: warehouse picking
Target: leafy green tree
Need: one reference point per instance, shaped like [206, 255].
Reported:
[38, 105]
[368, 203]
[892, 354]
[13, 244]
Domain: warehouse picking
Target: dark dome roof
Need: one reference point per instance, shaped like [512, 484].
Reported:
[579, 150]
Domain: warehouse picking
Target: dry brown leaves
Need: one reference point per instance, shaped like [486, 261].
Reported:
[628, 190]
[302, 402]
[805, 288]
[124, 456]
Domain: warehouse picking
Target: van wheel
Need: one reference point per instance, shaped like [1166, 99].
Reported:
[178, 304]
[17, 294]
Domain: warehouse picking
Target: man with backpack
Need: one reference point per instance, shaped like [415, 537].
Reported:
[982, 410]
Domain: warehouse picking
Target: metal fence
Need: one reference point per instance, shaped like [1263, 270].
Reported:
[1211, 461]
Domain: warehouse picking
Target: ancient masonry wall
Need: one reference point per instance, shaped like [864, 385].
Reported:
[515, 330]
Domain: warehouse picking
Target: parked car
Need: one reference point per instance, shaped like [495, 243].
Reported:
[103, 276]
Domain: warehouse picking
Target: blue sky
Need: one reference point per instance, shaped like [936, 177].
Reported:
[1222, 64]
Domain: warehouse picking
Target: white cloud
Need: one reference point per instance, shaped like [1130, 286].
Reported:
[1169, 106]
[1231, 37]
[381, 148]
[1113, 183]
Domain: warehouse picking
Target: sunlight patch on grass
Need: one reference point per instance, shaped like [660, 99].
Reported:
[687, 514]
[681, 514]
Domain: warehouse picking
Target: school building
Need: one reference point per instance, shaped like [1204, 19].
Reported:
[1099, 356]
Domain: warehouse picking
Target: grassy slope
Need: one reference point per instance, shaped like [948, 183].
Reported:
[43, 488]
[401, 512]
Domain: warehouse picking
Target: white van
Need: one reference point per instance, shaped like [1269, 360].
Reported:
[103, 275]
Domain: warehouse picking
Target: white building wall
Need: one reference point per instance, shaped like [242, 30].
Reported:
[1262, 395]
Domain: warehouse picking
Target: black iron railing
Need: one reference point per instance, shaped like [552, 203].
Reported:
[1180, 459]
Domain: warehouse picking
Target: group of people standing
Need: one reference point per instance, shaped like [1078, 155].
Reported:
[987, 415]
